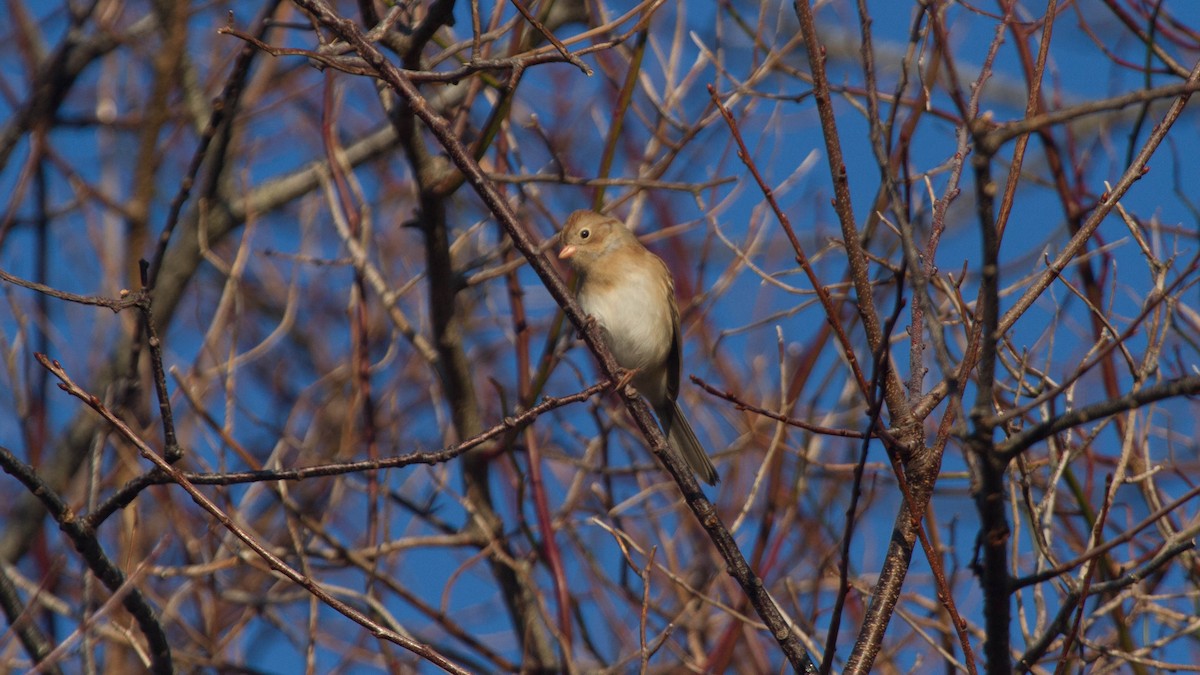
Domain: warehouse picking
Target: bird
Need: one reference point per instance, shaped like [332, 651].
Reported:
[630, 294]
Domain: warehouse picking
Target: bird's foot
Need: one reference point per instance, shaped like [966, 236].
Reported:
[626, 376]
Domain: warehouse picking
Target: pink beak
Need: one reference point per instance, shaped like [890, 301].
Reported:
[566, 252]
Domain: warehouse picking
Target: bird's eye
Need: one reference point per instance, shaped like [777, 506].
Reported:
[584, 234]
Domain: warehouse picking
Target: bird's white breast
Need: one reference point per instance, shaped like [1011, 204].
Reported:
[635, 313]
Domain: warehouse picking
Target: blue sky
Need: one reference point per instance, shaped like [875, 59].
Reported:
[784, 139]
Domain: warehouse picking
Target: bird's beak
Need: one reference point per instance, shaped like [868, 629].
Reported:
[566, 252]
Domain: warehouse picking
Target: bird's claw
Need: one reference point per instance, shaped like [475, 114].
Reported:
[625, 376]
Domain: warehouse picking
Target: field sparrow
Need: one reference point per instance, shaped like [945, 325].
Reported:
[630, 293]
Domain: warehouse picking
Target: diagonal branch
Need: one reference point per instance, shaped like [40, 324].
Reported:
[83, 538]
[694, 497]
[275, 562]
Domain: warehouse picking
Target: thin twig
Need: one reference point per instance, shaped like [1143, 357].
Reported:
[562, 49]
[128, 299]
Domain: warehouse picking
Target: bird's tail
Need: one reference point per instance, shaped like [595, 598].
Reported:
[681, 437]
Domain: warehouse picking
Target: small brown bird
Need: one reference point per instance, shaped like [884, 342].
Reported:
[630, 293]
